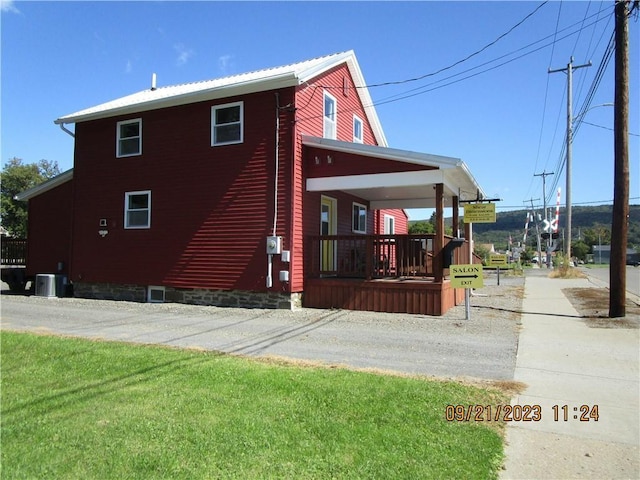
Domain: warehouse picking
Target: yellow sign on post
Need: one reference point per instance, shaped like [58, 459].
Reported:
[497, 260]
[479, 213]
[466, 276]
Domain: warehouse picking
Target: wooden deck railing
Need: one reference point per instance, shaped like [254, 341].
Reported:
[13, 251]
[374, 256]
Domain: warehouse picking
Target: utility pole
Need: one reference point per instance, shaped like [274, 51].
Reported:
[544, 174]
[569, 69]
[617, 269]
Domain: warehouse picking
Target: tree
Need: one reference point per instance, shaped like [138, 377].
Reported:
[580, 249]
[17, 177]
[421, 227]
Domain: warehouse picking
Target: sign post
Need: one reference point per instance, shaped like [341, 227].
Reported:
[466, 276]
[497, 260]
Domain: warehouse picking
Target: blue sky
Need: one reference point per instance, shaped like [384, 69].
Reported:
[499, 110]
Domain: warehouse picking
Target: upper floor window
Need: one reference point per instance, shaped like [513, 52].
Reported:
[137, 209]
[330, 122]
[357, 129]
[359, 218]
[129, 138]
[227, 124]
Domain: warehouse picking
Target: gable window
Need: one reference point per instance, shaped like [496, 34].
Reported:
[137, 209]
[357, 129]
[330, 130]
[227, 124]
[129, 138]
[359, 218]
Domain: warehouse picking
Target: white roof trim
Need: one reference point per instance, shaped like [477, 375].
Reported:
[45, 186]
[242, 84]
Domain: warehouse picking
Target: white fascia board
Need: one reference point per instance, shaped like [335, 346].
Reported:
[284, 80]
[45, 186]
[402, 204]
[472, 180]
[375, 180]
[309, 73]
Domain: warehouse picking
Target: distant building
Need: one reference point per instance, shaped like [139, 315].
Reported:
[602, 254]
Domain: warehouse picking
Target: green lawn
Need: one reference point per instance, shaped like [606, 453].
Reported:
[75, 408]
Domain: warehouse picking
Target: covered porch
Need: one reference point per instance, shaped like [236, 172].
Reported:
[397, 273]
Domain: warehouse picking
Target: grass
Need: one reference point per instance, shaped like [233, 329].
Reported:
[75, 408]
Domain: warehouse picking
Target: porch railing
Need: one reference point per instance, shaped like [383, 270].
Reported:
[13, 251]
[374, 256]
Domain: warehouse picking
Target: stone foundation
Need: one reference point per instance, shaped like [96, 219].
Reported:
[195, 296]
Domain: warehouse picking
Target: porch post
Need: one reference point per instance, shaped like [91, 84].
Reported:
[439, 239]
[456, 217]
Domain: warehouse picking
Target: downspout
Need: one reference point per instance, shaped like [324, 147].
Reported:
[66, 130]
[73, 197]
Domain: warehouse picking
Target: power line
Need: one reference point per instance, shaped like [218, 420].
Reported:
[424, 88]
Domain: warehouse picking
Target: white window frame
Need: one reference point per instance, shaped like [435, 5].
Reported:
[329, 122]
[389, 225]
[214, 125]
[127, 226]
[119, 138]
[358, 120]
[358, 228]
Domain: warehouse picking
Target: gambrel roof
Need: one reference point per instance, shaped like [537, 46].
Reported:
[261, 80]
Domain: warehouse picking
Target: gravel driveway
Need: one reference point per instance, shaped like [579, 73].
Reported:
[450, 346]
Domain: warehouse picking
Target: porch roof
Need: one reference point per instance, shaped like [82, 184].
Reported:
[401, 189]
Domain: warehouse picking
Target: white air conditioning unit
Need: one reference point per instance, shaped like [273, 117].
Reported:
[46, 285]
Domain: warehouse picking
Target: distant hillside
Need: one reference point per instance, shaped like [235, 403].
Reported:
[583, 218]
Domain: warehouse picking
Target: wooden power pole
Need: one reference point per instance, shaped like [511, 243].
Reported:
[618, 269]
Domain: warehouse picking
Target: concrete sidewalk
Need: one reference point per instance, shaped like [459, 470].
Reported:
[565, 362]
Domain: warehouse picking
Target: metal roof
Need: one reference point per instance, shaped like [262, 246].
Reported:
[245, 83]
[45, 186]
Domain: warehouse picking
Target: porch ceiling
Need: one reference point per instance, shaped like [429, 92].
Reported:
[402, 189]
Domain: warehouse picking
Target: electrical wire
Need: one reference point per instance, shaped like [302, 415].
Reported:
[425, 88]
[544, 105]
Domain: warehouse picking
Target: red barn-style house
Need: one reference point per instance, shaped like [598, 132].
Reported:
[267, 189]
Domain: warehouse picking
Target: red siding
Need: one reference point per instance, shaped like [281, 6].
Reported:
[50, 230]
[318, 164]
[309, 103]
[401, 221]
[212, 207]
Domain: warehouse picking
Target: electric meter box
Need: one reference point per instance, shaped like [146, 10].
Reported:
[274, 245]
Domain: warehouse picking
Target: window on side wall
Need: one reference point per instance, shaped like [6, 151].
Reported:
[129, 138]
[137, 209]
[227, 123]
[330, 117]
[357, 129]
[359, 224]
[389, 225]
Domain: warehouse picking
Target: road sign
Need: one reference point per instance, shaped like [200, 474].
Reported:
[466, 276]
[497, 260]
[479, 213]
